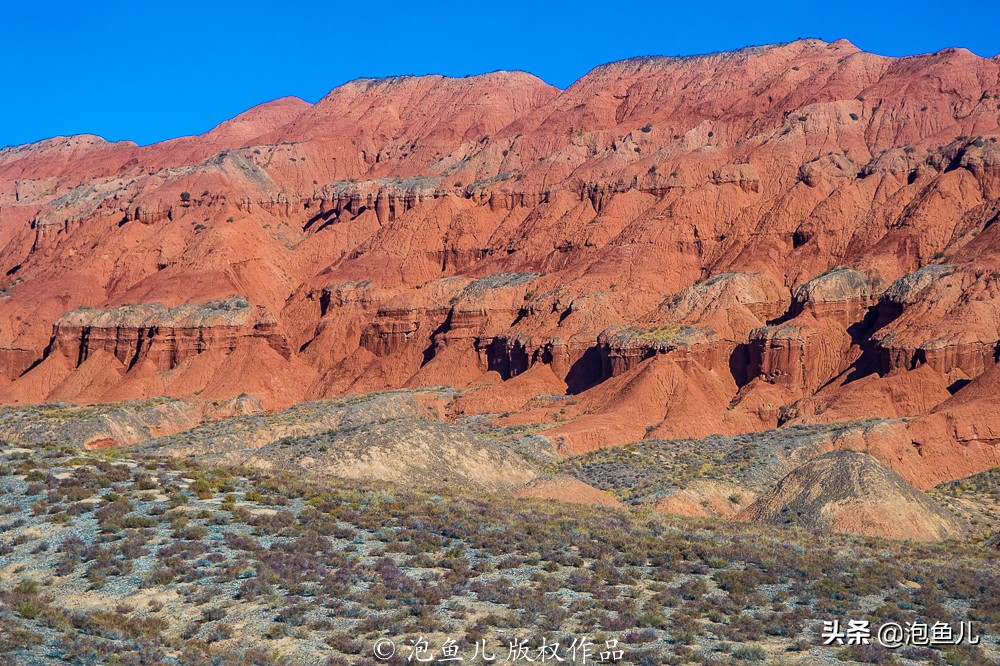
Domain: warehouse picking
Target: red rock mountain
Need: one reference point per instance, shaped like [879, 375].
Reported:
[715, 244]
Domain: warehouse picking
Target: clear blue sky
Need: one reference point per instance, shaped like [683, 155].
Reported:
[152, 71]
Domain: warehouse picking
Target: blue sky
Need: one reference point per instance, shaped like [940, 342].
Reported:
[152, 71]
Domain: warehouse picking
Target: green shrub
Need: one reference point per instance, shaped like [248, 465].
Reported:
[750, 653]
[28, 609]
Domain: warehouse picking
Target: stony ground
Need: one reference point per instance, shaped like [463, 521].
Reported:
[106, 559]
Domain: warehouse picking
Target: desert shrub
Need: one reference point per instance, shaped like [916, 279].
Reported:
[202, 489]
[617, 622]
[739, 583]
[867, 654]
[29, 609]
[213, 614]
[346, 643]
[294, 615]
[640, 637]
[14, 637]
[750, 653]
[251, 588]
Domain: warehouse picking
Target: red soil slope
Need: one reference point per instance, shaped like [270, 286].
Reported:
[682, 246]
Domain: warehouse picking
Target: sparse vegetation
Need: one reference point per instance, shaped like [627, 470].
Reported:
[180, 555]
[642, 472]
[665, 336]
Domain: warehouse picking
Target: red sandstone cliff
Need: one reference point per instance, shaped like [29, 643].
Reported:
[693, 245]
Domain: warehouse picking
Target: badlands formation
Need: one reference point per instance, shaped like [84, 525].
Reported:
[669, 248]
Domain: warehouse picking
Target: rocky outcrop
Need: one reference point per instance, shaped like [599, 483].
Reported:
[943, 316]
[166, 337]
[625, 348]
[778, 356]
[214, 350]
[843, 294]
[707, 322]
[853, 493]
[393, 329]
[815, 341]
